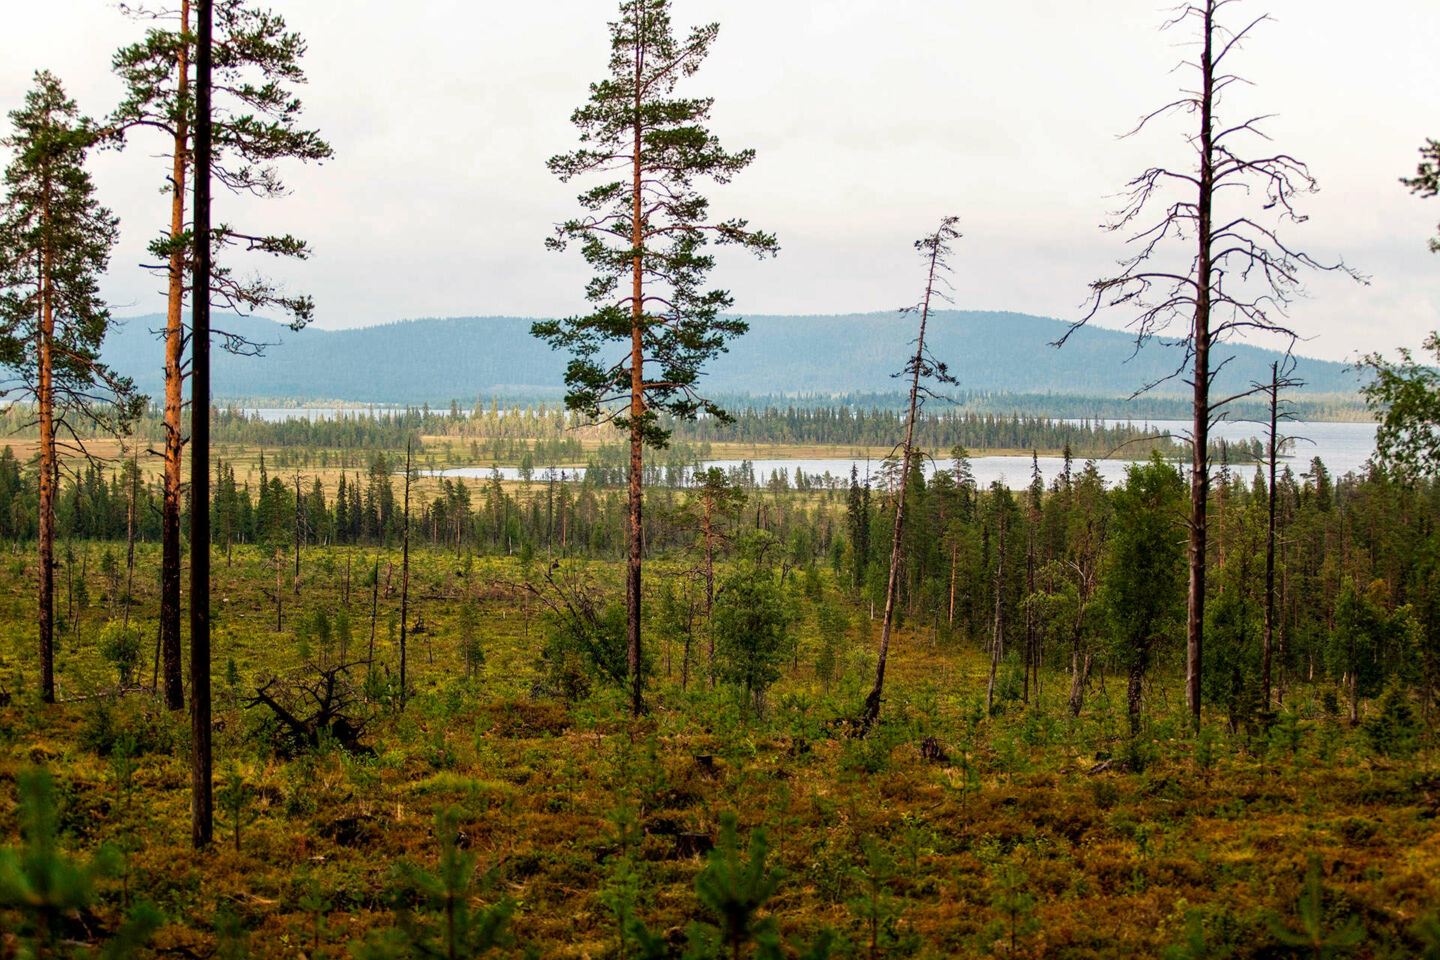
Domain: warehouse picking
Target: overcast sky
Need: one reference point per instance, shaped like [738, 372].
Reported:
[871, 120]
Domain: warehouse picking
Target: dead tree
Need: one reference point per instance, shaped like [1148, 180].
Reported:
[323, 703]
[921, 367]
[1210, 266]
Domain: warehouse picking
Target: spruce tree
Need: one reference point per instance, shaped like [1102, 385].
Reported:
[644, 231]
[55, 241]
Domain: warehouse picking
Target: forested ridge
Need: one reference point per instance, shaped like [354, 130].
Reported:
[436, 360]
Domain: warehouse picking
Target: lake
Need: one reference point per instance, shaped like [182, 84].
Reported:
[1343, 447]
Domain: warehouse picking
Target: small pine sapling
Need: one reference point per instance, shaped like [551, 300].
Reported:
[734, 889]
[41, 888]
[436, 913]
[235, 801]
[876, 908]
[316, 906]
[1310, 938]
[1012, 901]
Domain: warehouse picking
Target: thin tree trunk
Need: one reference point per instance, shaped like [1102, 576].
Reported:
[174, 377]
[130, 534]
[45, 401]
[637, 410]
[1270, 538]
[954, 551]
[279, 595]
[1200, 466]
[871, 711]
[299, 526]
[997, 640]
[1133, 693]
[201, 799]
[1079, 677]
[405, 578]
[374, 610]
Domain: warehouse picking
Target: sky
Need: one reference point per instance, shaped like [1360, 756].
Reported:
[871, 119]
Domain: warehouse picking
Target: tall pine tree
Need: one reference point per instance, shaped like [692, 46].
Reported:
[55, 241]
[257, 116]
[644, 231]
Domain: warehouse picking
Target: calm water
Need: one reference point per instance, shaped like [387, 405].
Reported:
[1344, 447]
[280, 414]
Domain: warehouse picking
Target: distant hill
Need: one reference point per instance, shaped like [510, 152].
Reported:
[436, 360]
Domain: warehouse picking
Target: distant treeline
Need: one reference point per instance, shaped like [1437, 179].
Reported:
[471, 436]
[1345, 407]
[941, 431]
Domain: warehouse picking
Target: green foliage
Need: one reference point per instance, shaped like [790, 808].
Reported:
[875, 907]
[42, 890]
[1427, 931]
[55, 242]
[1426, 181]
[734, 890]
[257, 63]
[234, 802]
[633, 106]
[750, 624]
[1012, 900]
[1143, 580]
[585, 640]
[1393, 729]
[120, 646]
[1311, 937]
[1404, 396]
[437, 914]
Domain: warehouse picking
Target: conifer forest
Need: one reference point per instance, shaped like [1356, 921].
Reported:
[629, 663]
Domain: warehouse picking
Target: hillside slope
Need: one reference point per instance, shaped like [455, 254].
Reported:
[436, 360]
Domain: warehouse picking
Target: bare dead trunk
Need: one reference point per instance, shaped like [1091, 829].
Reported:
[871, 711]
[1200, 466]
[299, 527]
[130, 534]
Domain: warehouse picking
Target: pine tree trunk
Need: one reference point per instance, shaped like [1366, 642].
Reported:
[637, 416]
[45, 396]
[174, 692]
